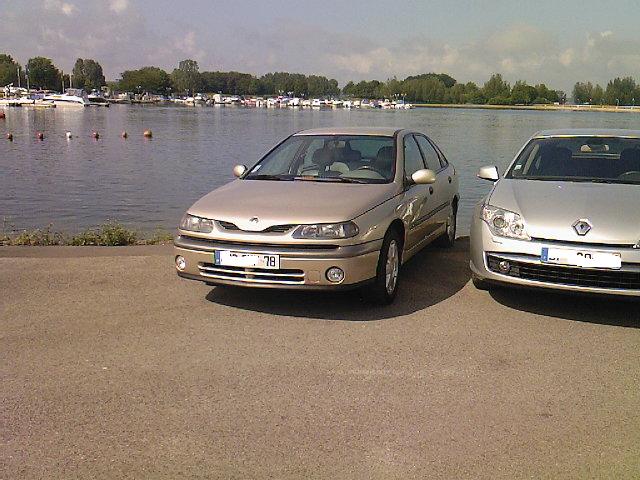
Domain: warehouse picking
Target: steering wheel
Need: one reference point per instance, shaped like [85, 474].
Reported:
[309, 167]
[631, 173]
[369, 167]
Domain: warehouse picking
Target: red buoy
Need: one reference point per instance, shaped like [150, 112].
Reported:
[125, 134]
[10, 136]
[2, 115]
[95, 135]
[40, 136]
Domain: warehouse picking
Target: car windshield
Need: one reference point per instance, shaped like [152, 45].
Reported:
[329, 158]
[580, 159]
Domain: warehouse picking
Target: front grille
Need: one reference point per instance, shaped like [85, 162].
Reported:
[273, 229]
[579, 277]
[278, 229]
[252, 275]
[276, 247]
[228, 225]
[585, 244]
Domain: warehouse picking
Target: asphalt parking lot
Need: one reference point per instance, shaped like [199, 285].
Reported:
[112, 367]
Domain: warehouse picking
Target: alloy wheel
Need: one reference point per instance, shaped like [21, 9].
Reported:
[392, 267]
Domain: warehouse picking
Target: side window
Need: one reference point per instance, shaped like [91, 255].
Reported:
[443, 160]
[431, 157]
[412, 157]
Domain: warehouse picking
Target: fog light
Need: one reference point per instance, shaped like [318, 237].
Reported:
[504, 266]
[335, 275]
[181, 263]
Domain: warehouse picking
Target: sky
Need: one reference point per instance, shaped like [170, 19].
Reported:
[556, 42]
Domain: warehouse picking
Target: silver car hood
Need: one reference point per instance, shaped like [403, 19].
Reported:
[290, 202]
[550, 209]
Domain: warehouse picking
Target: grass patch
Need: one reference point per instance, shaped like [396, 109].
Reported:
[109, 235]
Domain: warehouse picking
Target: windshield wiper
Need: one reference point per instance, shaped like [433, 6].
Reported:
[329, 179]
[268, 177]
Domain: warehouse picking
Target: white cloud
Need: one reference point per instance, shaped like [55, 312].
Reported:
[121, 41]
[118, 6]
[65, 8]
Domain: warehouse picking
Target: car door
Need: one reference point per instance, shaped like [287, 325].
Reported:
[416, 196]
[441, 196]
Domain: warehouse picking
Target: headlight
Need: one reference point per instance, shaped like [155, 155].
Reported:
[196, 224]
[504, 223]
[327, 230]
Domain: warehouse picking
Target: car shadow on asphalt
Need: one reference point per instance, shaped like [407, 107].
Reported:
[603, 310]
[430, 277]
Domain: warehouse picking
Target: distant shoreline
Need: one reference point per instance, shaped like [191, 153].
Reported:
[566, 108]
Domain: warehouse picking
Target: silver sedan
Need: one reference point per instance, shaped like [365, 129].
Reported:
[565, 215]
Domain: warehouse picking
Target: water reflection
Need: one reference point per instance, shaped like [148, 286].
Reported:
[148, 183]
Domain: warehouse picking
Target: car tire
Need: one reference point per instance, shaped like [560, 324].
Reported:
[384, 288]
[448, 238]
[479, 283]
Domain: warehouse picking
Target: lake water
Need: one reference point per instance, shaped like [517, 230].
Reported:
[149, 183]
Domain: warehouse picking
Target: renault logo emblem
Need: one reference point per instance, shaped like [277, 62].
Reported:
[254, 220]
[582, 227]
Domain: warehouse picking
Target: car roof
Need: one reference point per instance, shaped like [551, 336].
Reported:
[377, 131]
[588, 132]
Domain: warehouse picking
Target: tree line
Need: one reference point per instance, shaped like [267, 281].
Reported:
[619, 91]
[43, 74]
[187, 78]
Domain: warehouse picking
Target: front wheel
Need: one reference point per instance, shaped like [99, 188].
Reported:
[385, 286]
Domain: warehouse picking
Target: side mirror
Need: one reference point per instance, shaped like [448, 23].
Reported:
[424, 177]
[489, 173]
[239, 170]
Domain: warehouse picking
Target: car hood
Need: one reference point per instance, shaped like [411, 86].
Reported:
[550, 209]
[290, 202]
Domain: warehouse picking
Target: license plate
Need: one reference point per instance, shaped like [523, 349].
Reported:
[227, 258]
[581, 258]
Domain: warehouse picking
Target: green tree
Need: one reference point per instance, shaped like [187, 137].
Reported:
[147, 79]
[43, 74]
[622, 91]
[9, 70]
[187, 78]
[523, 94]
[93, 75]
[78, 73]
[583, 92]
[473, 94]
[496, 90]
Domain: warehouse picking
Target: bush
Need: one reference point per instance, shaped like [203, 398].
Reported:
[44, 237]
[110, 235]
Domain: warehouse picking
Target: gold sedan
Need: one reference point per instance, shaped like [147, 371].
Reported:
[337, 208]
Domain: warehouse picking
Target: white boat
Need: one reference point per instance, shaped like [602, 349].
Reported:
[347, 104]
[316, 103]
[97, 100]
[71, 98]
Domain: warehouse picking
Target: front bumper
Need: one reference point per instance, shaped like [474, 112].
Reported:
[301, 266]
[527, 270]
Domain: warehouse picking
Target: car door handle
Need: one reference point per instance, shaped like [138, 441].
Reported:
[430, 190]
